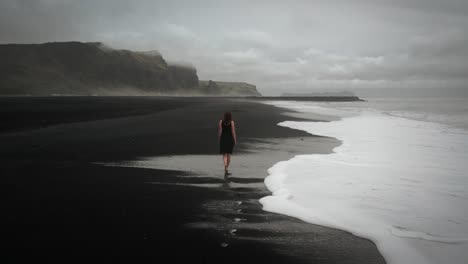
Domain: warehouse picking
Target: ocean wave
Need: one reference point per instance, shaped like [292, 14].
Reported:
[391, 180]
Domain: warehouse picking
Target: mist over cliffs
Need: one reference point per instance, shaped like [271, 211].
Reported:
[77, 68]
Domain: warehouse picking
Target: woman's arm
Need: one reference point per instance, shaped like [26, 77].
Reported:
[233, 130]
[220, 130]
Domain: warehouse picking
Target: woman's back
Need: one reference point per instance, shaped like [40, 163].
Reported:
[226, 129]
[227, 138]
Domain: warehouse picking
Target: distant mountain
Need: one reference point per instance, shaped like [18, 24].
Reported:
[77, 68]
[324, 94]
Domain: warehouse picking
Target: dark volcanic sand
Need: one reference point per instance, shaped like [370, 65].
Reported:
[61, 207]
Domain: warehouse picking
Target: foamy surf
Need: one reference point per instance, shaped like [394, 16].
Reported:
[401, 183]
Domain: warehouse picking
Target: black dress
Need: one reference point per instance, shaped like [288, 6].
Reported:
[226, 143]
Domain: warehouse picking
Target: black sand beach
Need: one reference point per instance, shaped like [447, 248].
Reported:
[61, 205]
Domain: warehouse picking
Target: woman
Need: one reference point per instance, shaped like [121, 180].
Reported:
[227, 139]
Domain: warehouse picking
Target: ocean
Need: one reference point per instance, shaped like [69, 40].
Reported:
[399, 178]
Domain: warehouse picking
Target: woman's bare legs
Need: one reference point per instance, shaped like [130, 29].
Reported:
[225, 160]
[228, 159]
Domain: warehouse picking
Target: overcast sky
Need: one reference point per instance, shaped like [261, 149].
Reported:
[281, 46]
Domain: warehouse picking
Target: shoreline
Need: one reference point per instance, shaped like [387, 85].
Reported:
[152, 210]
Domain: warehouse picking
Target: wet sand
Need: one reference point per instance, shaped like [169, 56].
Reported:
[62, 204]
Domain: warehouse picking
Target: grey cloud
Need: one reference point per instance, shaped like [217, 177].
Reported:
[278, 45]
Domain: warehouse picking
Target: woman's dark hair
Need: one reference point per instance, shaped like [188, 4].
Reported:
[227, 117]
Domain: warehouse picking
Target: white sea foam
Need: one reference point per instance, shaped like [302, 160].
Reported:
[399, 182]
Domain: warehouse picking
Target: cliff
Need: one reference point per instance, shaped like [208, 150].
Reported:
[77, 68]
[228, 88]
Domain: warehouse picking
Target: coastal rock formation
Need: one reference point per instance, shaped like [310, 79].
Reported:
[228, 88]
[77, 68]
